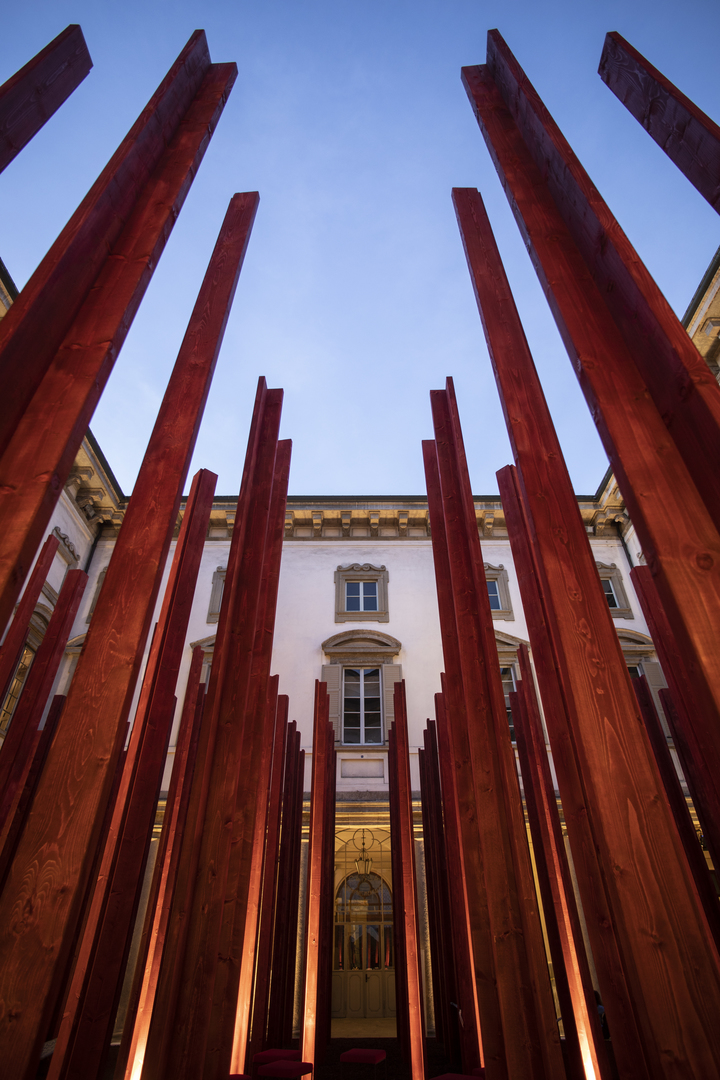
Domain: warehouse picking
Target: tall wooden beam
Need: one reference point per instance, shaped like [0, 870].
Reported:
[609, 768]
[682, 555]
[21, 741]
[228, 1032]
[526, 1041]
[279, 1028]
[185, 1005]
[142, 994]
[30, 97]
[687, 135]
[82, 760]
[662, 356]
[312, 1048]
[84, 1038]
[573, 980]
[16, 636]
[700, 758]
[61, 337]
[270, 885]
[403, 840]
[679, 807]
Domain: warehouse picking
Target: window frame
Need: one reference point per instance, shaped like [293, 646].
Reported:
[362, 741]
[361, 572]
[610, 572]
[499, 575]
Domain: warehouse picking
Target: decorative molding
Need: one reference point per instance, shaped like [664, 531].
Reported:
[67, 544]
[216, 594]
[499, 575]
[610, 572]
[361, 572]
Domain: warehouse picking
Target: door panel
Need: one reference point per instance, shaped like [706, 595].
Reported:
[356, 994]
[373, 994]
[338, 994]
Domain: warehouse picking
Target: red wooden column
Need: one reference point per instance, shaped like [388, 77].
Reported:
[185, 1006]
[59, 341]
[468, 1020]
[687, 135]
[16, 636]
[678, 804]
[572, 972]
[30, 96]
[699, 759]
[21, 741]
[142, 996]
[279, 1026]
[82, 760]
[270, 884]
[526, 1041]
[605, 766]
[234, 981]
[617, 338]
[441, 953]
[84, 1038]
[685, 392]
[403, 840]
[311, 1047]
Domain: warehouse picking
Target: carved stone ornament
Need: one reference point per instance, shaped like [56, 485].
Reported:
[67, 543]
[363, 568]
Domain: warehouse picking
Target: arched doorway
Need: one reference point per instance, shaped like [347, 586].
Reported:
[363, 940]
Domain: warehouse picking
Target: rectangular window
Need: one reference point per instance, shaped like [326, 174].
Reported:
[609, 593]
[361, 596]
[493, 593]
[508, 684]
[362, 710]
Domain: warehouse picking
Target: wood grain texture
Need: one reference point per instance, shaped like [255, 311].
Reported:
[261, 993]
[684, 390]
[700, 759]
[573, 980]
[142, 995]
[403, 839]
[621, 796]
[84, 1038]
[679, 807]
[311, 1047]
[528, 1038]
[48, 432]
[687, 135]
[280, 1008]
[17, 633]
[74, 790]
[30, 97]
[21, 741]
[44, 311]
[171, 981]
[235, 979]
[683, 554]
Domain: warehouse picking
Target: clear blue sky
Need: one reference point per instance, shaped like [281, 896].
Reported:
[351, 121]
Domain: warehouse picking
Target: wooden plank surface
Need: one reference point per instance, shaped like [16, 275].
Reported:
[33, 330]
[82, 760]
[179, 942]
[270, 887]
[612, 753]
[142, 995]
[687, 135]
[684, 390]
[700, 759]
[681, 553]
[404, 840]
[310, 1047]
[47, 435]
[84, 1037]
[30, 97]
[529, 1042]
